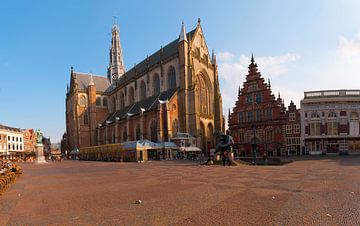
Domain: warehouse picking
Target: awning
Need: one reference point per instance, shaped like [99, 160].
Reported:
[189, 149]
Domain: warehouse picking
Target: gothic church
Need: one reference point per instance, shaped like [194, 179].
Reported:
[176, 89]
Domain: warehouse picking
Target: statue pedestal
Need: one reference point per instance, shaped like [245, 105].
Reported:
[39, 148]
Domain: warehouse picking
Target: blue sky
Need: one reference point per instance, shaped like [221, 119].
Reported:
[299, 45]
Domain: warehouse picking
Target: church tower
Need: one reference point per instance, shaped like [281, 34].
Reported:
[116, 66]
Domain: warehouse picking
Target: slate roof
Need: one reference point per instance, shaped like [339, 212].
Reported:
[83, 79]
[148, 104]
[3, 127]
[167, 51]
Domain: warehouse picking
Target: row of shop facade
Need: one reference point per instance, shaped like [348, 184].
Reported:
[327, 121]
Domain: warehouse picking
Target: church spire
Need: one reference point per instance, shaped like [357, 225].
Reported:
[116, 66]
[182, 33]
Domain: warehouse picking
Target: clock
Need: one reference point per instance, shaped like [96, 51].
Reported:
[114, 77]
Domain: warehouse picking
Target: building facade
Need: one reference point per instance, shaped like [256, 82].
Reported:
[29, 140]
[176, 89]
[330, 122]
[11, 141]
[258, 118]
[293, 130]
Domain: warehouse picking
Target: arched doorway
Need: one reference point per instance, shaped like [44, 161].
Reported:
[210, 135]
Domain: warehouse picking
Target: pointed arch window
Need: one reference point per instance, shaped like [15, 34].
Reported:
[137, 132]
[131, 95]
[98, 101]
[86, 118]
[156, 84]
[142, 90]
[105, 102]
[153, 131]
[122, 100]
[171, 77]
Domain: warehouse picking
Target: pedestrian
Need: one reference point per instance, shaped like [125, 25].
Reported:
[224, 157]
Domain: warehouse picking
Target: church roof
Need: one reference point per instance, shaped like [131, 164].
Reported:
[82, 79]
[147, 104]
[165, 52]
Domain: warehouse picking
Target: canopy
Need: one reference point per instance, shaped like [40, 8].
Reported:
[189, 149]
[141, 145]
[168, 145]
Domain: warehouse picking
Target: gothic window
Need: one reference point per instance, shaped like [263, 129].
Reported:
[142, 90]
[203, 96]
[113, 104]
[82, 100]
[153, 131]
[258, 98]
[137, 132]
[131, 95]
[105, 102]
[98, 101]
[122, 100]
[156, 84]
[124, 135]
[171, 78]
[86, 118]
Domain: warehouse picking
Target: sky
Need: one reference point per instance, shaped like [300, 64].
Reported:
[298, 45]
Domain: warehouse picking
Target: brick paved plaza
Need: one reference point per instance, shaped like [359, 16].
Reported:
[308, 192]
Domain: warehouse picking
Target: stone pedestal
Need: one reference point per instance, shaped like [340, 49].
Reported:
[39, 148]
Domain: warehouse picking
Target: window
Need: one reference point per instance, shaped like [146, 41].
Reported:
[171, 78]
[305, 115]
[9, 147]
[249, 99]
[296, 128]
[332, 127]
[315, 128]
[156, 84]
[258, 98]
[258, 115]
[82, 100]
[332, 114]
[137, 133]
[105, 102]
[342, 113]
[86, 118]
[175, 127]
[98, 101]
[241, 116]
[269, 135]
[124, 135]
[250, 116]
[122, 100]
[291, 116]
[20, 147]
[269, 114]
[8, 138]
[288, 129]
[142, 90]
[315, 115]
[17, 139]
[153, 131]
[20, 139]
[241, 137]
[131, 95]
[13, 138]
[354, 124]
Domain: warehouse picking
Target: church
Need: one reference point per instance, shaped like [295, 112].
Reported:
[174, 90]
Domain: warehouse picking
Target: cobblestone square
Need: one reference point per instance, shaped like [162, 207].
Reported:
[309, 191]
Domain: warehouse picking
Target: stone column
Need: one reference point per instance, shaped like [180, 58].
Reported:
[116, 129]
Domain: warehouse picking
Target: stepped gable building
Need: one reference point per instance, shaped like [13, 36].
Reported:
[330, 122]
[258, 118]
[293, 130]
[176, 89]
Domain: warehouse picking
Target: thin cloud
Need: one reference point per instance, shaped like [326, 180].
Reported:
[349, 47]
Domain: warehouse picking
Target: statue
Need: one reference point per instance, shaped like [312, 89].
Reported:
[39, 136]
